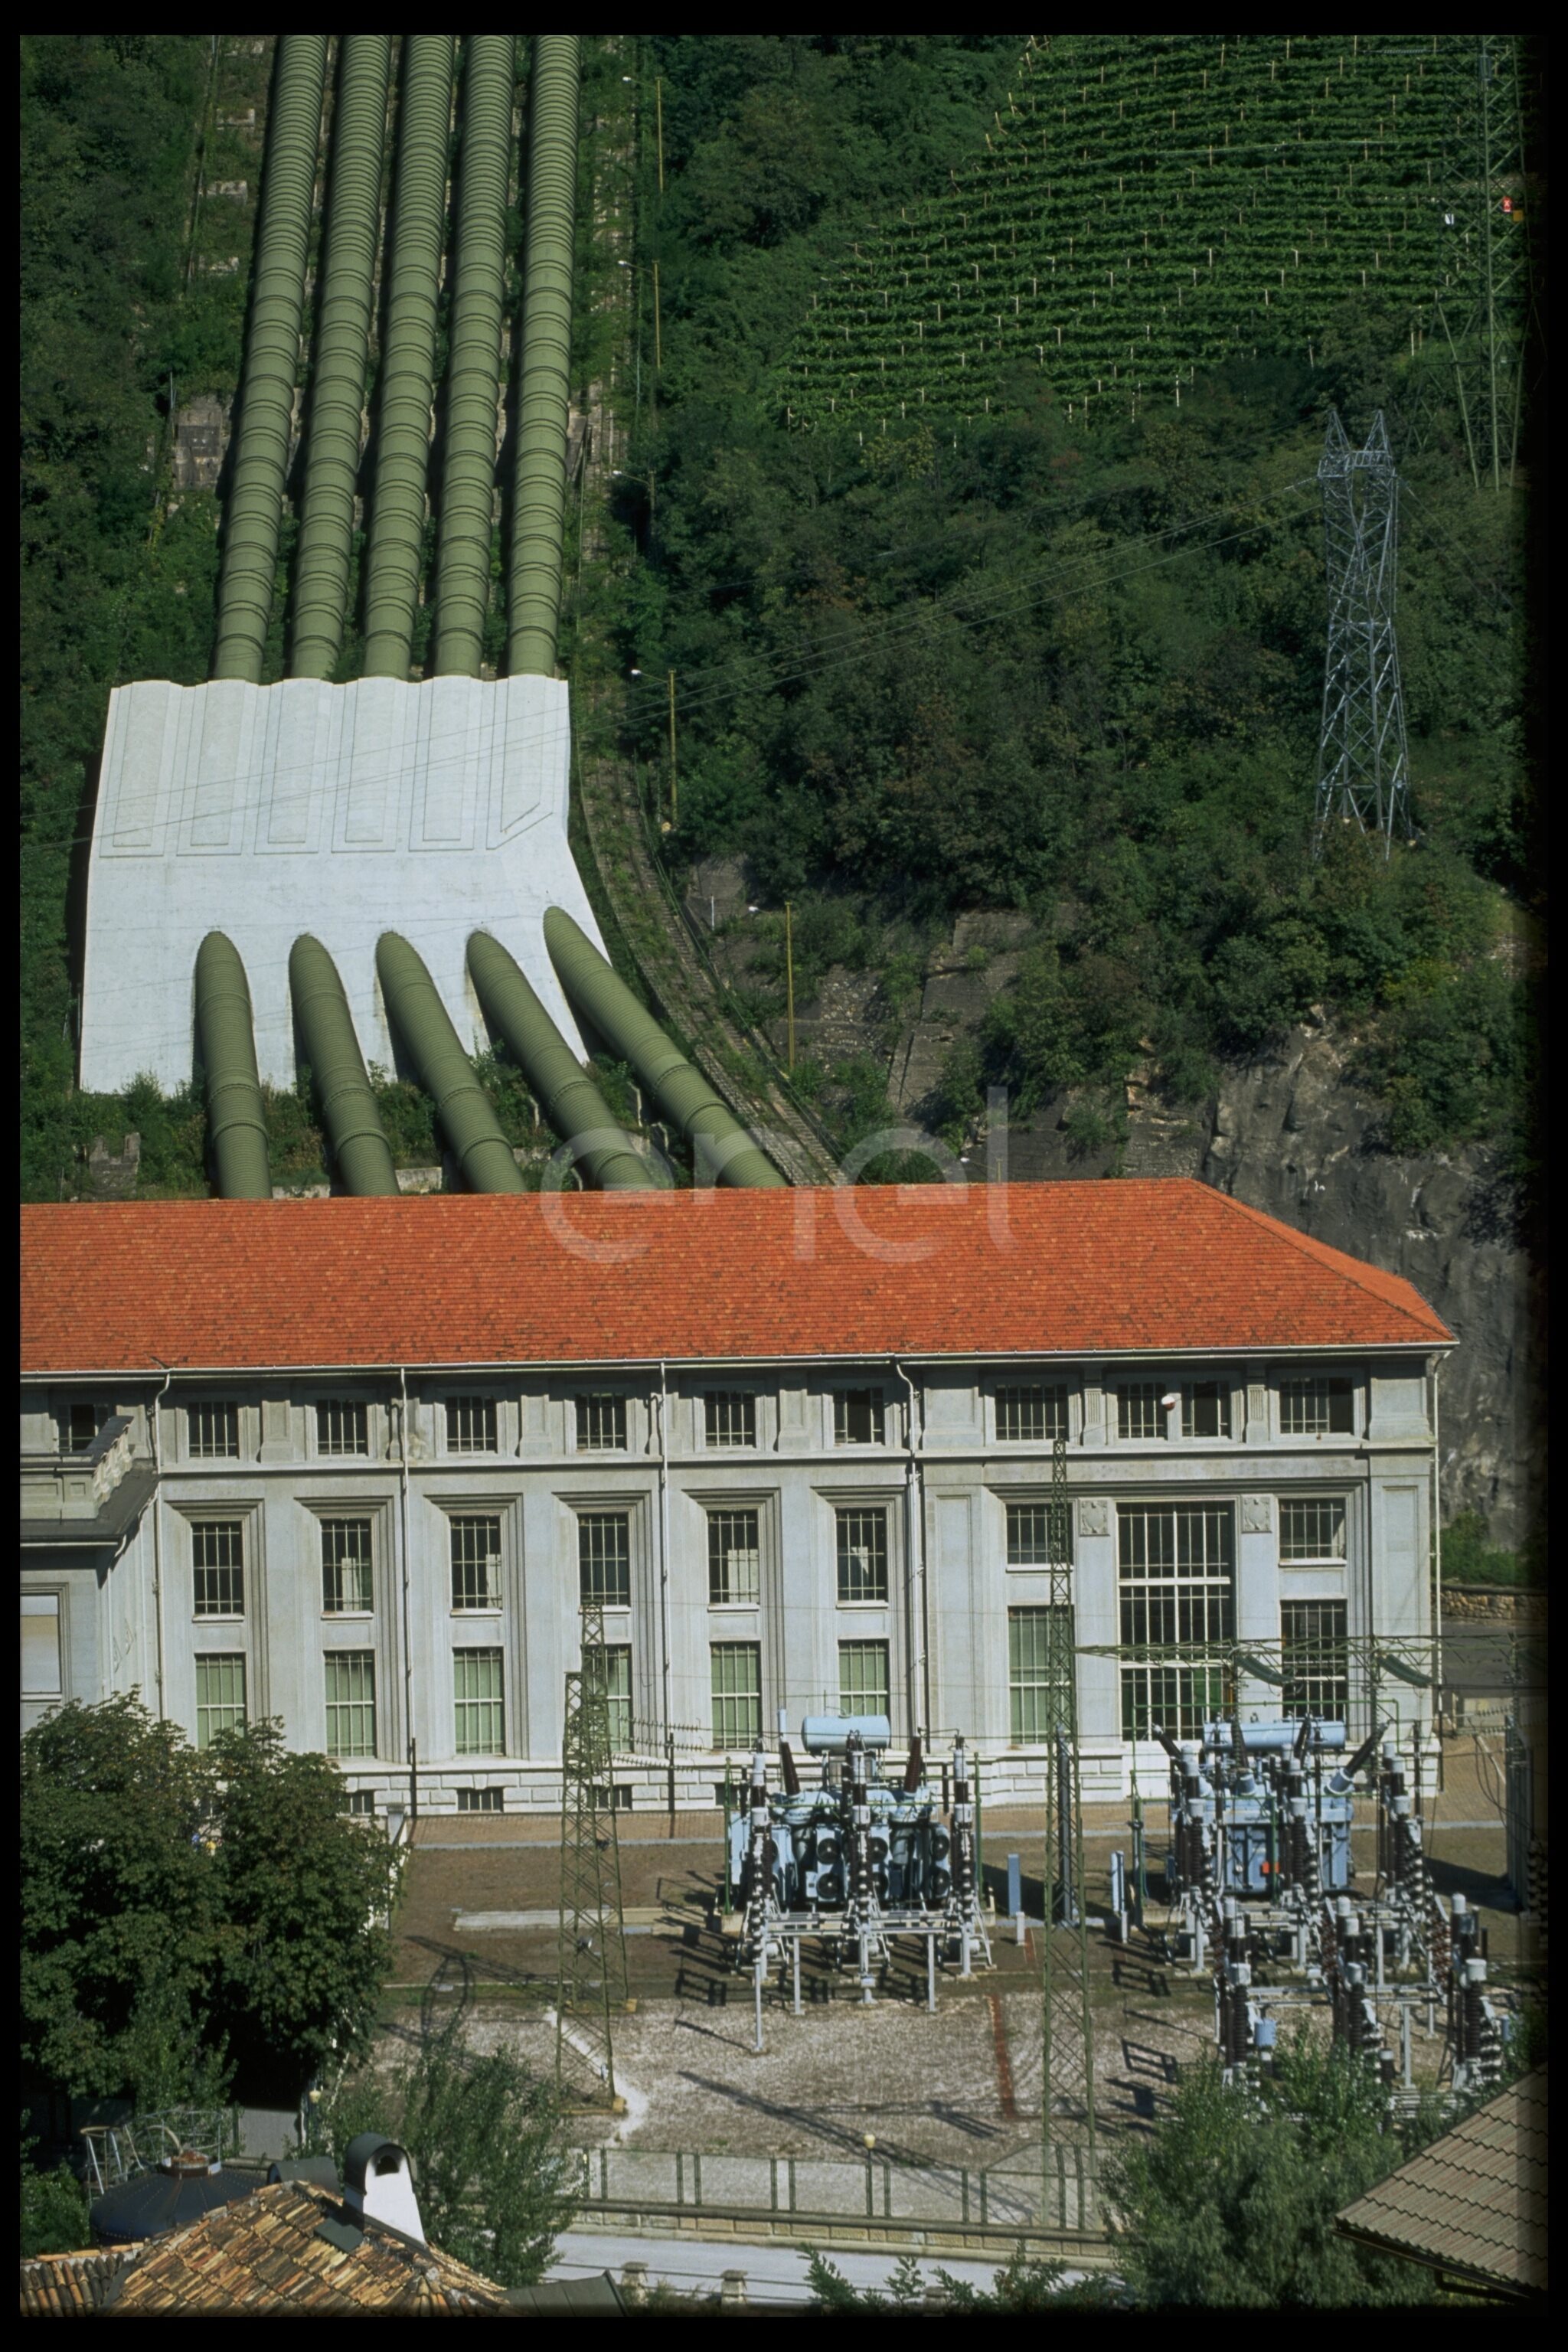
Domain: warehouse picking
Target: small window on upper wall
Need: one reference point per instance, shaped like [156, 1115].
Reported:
[858, 1417]
[1032, 1416]
[601, 1425]
[1322, 1406]
[213, 1431]
[479, 1801]
[342, 1427]
[1139, 1412]
[83, 1423]
[729, 1418]
[1206, 1409]
[470, 1425]
[41, 1643]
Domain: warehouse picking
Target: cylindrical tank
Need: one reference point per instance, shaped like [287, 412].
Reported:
[225, 1040]
[255, 508]
[828, 1735]
[408, 355]
[355, 1135]
[724, 1150]
[419, 1018]
[341, 345]
[473, 369]
[538, 515]
[569, 1100]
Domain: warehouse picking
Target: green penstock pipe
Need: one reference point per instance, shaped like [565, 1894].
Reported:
[570, 1101]
[237, 1123]
[408, 356]
[271, 360]
[473, 370]
[342, 338]
[355, 1132]
[721, 1143]
[539, 516]
[419, 1019]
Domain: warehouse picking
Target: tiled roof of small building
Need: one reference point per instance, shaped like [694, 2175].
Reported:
[1133, 1267]
[1474, 2202]
[69, 2286]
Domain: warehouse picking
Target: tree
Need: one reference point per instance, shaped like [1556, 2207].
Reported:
[54, 2207]
[1021, 2285]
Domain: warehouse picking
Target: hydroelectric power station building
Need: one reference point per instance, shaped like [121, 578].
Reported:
[353, 1464]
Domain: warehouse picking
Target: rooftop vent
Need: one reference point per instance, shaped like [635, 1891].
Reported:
[378, 2185]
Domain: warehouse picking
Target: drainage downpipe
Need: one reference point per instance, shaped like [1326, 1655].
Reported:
[539, 516]
[663, 1623]
[255, 508]
[420, 1021]
[158, 1529]
[473, 369]
[914, 1505]
[342, 347]
[355, 1135]
[407, 1641]
[570, 1101]
[225, 1039]
[408, 356]
[723, 1151]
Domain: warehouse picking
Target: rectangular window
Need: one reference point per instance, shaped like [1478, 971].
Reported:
[346, 1567]
[858, 1417]
[862, 1555]
[729, 1418]
[1028, 1673]
[218, 1560]
[480, 1721]
[1206, 1409]
[1321, 1407]
[220, 1697]
[342, 1427]
[1313, 1530]
[82, 1425]
[350, 1703]
[479, 1801]
[733, 1557]
[470, 1425]
[863, 1677]
[476, 1562]
[1313, 1653]
[1031, 1417]
[601, 1425]
[618, 1669]
[737, 1668]
[1029, 1535]
[604, 1557]
[212, 1432]
[41, 1643]
[1139, 1413]
[1177, 1569]
[360, 1803]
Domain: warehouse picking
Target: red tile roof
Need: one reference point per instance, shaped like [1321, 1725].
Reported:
[1000, 1270]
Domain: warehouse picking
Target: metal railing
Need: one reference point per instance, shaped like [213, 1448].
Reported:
[1011, 2197]
[117, 2152]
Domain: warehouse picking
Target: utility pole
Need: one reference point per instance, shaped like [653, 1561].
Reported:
[1363, 761]
[657, 331]
[789, 977]
[1067, 2085]
[674, 793]
[591, 1950]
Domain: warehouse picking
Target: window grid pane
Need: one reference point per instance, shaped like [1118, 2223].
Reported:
[733, 1556]
[604, 1557]
[1205, 1409]
[862, 1555]
[1031, 1415]
[1139, 1413]
[1029, 1535]
[350, 1703]
[1312, 1530]
[479, 1801]
[1316, 1407]
[213, 1432]
[601, 1425]
[86, 1421]
[342, 1428]
[1176, 1585]
[619, 1674]
[1028, 1635]
[470, 1425]
[476, 1563]
[217, 1553]
[737, 1668]
[858, 1417]
[220, 1697]
[1313, 1643]
[478, 1702]
[345, 1566]
[863, 1683]
[729, 1419]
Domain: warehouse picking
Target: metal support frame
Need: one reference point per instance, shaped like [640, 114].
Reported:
[591, 1957]
[1363, 762]
[1066, 2028]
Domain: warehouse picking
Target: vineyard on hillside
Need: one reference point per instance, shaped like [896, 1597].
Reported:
[1149, 206]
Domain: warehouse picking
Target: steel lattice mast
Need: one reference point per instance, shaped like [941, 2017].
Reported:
[591, 1971]
[1067, 2102]
[1363, 759]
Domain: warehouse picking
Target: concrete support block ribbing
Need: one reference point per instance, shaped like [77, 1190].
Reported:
[473, 370]
[255, 508]
[533, 603]
[342, 347]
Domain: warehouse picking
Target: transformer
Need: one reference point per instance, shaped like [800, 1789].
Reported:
[1261, 1811]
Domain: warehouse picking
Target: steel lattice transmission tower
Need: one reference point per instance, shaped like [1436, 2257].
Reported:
[591, 1971]
[1066, 2102]
[1362, 760]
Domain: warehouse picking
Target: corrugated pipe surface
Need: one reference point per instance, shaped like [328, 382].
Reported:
[342, 339]
[724, 1152]
[473, 369]
[271, 360]
[569, 1100]
[225, 1039]
[408, 355]
[355, 1135]
[419, 1019]
[533, 600]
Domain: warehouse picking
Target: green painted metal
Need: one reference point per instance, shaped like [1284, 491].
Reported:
[342, 347]
[419, 1020]
[570, 1101]
[725, 1153]
[254, 510]
[533, 596]
[408, 355]
[355, 1132]
[473, 368]
[226, 1041]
